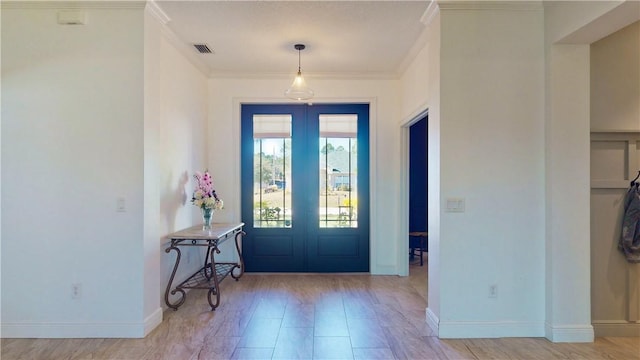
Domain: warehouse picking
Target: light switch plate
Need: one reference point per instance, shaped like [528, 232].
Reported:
[454, 205]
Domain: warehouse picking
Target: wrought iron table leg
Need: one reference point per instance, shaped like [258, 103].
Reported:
[183, 295]
[206, 265]
[239, 236]
[216, 289]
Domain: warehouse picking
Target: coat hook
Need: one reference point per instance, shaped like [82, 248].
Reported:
[633, 182]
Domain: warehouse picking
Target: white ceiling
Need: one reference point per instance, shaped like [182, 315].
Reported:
[343, 38]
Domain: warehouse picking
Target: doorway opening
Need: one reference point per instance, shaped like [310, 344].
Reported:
[418, 236]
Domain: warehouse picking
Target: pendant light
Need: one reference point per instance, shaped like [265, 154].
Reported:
[299, 89]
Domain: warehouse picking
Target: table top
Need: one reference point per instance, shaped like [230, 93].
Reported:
[217, 231]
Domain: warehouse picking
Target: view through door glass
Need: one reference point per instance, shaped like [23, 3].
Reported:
[305, 187]
[272, 179]
[338, 170]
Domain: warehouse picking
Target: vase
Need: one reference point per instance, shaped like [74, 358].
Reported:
[207, 214]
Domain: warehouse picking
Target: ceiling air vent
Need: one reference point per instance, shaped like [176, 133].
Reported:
[203, 48]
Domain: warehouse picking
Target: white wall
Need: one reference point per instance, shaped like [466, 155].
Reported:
[567, 201]
[615, 108]
[434, 145]
[615, 79]
[151, 225]
[567, 262]
[565, 19]
[492, 156]
[95, 113]
[420, 91]
[72, 144]
[177, 107]
[225, 97]
[513, 139]
[86, 122]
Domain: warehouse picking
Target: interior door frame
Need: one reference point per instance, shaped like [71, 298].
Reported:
[235, 173]
[403, 250]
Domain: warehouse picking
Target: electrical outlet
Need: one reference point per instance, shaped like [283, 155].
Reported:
[493, 291]
[76, 291]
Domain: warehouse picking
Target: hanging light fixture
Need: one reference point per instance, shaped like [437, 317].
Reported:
[299, 89]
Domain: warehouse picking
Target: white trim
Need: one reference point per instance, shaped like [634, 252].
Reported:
[489, 329]
[237, 102]
[374, 239]
[417, 114]
[433, 321]
[569, 333]
[417, 46]
[380, 269]
[214, 74]
[82, 329]
[235, 150]
[426, 19]
[152, 321]
[21, 4]
[490, 5]
[72, 330]
[158, 13]
[403, 199]
[185, 50]
[432, 10]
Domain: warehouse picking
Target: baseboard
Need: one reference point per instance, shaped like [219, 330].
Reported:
[489, 329]
[153, 320]
[616, 328]
[82, 330]
[432, 321]
[384, 270]
[569, 333]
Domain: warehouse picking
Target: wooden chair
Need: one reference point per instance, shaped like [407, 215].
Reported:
[418, 241]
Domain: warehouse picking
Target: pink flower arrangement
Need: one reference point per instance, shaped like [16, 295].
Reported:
[204, 196]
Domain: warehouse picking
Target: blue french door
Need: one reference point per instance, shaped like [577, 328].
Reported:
[305, 187]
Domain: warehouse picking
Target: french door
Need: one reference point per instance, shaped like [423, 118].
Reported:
[305, 187]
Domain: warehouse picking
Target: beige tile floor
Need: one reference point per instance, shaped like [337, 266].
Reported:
[266, 316]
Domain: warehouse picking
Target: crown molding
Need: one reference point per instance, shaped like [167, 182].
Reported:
[317, 76]
[60, 5]
[426, 19]
[158, 13]
[170, 36]
[513, 5]
[430, 13]
[187, 51]
[415, 49]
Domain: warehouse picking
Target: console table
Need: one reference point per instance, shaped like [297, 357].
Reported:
[211, 273]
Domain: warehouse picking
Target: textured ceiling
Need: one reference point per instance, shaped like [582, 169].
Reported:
[343, 38]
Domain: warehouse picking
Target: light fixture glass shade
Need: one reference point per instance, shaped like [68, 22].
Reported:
[299, 89]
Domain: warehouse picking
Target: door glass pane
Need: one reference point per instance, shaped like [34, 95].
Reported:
[338, 171]
[272, 171]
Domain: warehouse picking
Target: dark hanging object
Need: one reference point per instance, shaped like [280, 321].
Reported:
[635, 182]
[629, 242]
